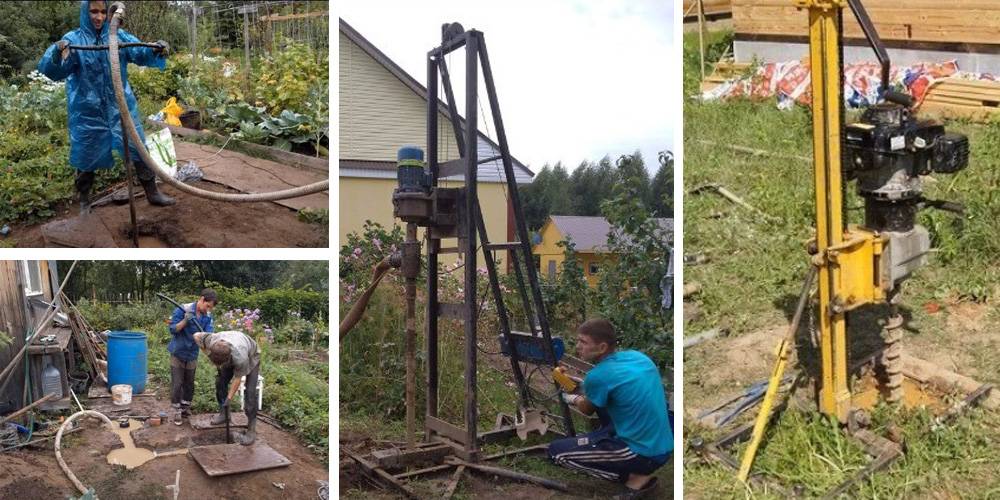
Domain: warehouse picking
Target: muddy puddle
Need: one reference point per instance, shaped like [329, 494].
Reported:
[129, 455]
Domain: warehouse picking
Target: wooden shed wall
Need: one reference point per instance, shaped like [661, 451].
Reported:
[930, 21]
[712, 7]
[13, 322]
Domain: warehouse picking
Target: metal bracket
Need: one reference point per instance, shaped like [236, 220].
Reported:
[820, 4]
[857, 263]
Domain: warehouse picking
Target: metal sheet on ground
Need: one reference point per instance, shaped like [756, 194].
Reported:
[225, 459]
[203, 421]
[85, 231]
[253, 175]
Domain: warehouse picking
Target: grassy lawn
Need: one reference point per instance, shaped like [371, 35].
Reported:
[754, 269]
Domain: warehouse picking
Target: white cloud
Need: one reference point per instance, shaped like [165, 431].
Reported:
[577, 80]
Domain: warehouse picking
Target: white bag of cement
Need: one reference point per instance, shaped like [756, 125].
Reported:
[161, 148]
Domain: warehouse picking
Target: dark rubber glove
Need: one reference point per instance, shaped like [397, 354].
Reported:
[163, 49]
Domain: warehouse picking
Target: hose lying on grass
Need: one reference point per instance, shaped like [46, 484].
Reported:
[133, 134]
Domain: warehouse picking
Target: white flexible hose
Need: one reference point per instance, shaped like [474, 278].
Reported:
[116, 80]
[62, 463]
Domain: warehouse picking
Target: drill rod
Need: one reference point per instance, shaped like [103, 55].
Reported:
[411, 345]
[128, 180]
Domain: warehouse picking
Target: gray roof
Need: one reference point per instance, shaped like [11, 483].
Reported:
[590, 234]
[488, 172]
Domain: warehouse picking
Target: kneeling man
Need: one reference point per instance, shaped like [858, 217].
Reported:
[625, 390]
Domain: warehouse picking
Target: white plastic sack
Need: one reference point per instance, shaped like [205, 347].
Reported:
[161, 149]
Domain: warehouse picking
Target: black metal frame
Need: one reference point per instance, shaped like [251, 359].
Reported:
[471, 227]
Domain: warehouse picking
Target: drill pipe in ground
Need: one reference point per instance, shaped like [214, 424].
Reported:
[131, 187]
[411, 333]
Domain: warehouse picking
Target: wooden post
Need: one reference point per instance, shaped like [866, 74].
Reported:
[701, 37]
[194, 36]
[246, 48]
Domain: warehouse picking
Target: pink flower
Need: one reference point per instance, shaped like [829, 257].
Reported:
[378, 243]
[357, 252]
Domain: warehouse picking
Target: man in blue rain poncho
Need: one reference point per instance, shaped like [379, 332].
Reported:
[94, 122]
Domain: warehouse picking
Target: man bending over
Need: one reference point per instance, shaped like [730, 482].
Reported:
[235, 355]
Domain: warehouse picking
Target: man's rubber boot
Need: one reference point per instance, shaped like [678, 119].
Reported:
[250, 435]
[84, 202]
[154, 196]
[84, 182]
[219, 419]
[178, 417]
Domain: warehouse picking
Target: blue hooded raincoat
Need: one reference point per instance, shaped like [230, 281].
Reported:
[94, 122]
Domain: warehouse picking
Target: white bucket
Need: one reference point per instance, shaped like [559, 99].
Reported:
[121, 394]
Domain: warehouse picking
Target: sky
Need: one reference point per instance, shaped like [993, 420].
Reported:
[577, 80]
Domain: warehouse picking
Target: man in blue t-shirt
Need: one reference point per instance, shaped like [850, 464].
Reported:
[185, 322]
[625, 391]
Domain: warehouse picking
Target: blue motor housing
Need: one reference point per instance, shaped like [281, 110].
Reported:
[410, 172]
[531, 349]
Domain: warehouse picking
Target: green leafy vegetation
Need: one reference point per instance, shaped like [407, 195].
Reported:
[35, 176]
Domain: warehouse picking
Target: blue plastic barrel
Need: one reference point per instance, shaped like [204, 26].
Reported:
[127, 360]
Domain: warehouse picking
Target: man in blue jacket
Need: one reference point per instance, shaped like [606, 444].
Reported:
[185, 322]
[94, 120]
[625, 390]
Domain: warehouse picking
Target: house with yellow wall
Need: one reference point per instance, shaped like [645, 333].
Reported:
[383, 108]
[590, 237]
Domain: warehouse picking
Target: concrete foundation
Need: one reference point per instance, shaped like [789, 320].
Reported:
[776, 51]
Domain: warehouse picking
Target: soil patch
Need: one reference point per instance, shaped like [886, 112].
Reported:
[195, 222]
[866, 393]
[85, 452]
[968, 317]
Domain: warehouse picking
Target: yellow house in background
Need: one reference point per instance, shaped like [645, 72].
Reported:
[383, 108]
[589, 235]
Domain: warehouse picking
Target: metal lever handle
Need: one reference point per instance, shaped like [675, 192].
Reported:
[947, 206]
[898, 98]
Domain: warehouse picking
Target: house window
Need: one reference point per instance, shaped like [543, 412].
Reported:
[552, 269]
[33, 277]
[593, 268]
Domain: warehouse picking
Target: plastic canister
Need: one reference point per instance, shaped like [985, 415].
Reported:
[51, 379]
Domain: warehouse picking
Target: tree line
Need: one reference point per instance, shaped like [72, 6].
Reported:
[556, 191]
[141, 279]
